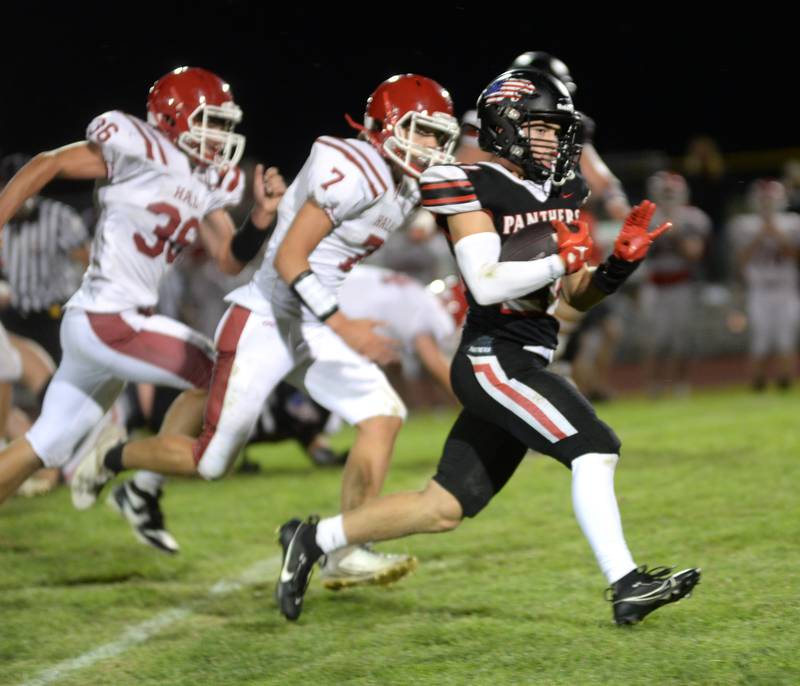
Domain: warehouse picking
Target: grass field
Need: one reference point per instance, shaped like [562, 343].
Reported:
[513, 597]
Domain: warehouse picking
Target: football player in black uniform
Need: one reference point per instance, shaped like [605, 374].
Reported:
[525, 203]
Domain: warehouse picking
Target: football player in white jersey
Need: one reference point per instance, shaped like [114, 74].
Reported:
[669, 293]
[767, 245]
[286, 324]
[163, 184]
[411, 314]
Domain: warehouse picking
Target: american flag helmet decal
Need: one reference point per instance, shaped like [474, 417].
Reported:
[509, 89]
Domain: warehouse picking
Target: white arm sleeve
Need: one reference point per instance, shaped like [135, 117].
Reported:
[492, 282]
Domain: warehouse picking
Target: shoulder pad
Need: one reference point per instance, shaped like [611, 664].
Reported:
[446, 189]
[361, 158]
[127, 134]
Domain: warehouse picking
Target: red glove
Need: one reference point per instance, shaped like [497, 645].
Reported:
[574, 246]
[633, 240]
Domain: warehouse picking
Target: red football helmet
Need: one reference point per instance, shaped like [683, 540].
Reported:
[402, 107]
[195, 109]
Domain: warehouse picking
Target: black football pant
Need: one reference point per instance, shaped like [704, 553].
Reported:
[512, 404]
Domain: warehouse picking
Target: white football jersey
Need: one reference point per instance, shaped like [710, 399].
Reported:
[150, 208]
[768, 268]
[352, 182]
[408, 308]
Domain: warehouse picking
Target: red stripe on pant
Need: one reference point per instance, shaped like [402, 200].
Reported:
[226, 355]
[175, 355]
[520, 400]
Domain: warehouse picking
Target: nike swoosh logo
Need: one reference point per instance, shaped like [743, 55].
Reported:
[568, 195]
[287, 576]
[138, 514]
[141, 509]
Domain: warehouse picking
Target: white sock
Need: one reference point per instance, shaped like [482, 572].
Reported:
[149, 482]
[596, 509]
[330, 534]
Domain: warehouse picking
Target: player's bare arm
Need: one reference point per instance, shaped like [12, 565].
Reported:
[310, 226]
[434, 360]
[218, 233]
[81, 160]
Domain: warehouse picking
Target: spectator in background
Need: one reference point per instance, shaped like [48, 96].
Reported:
[668, 294]
[791, 181]
[704, 169]
[41, 242]
[766, 248]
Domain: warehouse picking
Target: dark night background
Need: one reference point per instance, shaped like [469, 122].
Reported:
[649, 84]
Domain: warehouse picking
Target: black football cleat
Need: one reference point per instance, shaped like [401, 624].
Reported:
[143, 512]
[325, 457]
[300, 553]
[643, 590]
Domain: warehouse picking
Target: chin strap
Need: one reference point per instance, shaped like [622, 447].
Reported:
[372, 137]
[354, 123]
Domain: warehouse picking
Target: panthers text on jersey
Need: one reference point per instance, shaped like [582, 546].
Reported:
[354, 185]
[514, 205]
[150, 208]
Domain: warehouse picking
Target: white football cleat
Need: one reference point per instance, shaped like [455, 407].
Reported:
[91, 474]
[362, 566]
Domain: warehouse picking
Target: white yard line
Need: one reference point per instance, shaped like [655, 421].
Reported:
[139, 633]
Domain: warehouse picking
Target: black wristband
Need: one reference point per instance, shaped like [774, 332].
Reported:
[612, 273]
[247, 241]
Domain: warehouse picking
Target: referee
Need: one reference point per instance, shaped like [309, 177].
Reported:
[44, 249]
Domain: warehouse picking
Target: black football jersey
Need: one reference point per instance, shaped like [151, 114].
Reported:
[514, 205]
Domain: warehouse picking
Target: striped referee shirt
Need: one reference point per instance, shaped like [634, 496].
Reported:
[36, 256]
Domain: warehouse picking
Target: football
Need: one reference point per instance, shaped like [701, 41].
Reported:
[531, 243]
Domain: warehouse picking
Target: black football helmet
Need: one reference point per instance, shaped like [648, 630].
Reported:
[546, 63]
[521, 96]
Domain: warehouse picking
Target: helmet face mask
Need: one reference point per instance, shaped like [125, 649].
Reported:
[401, 114]
[510, 109]
[195, 109]
[210, 138]
[405, 150]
